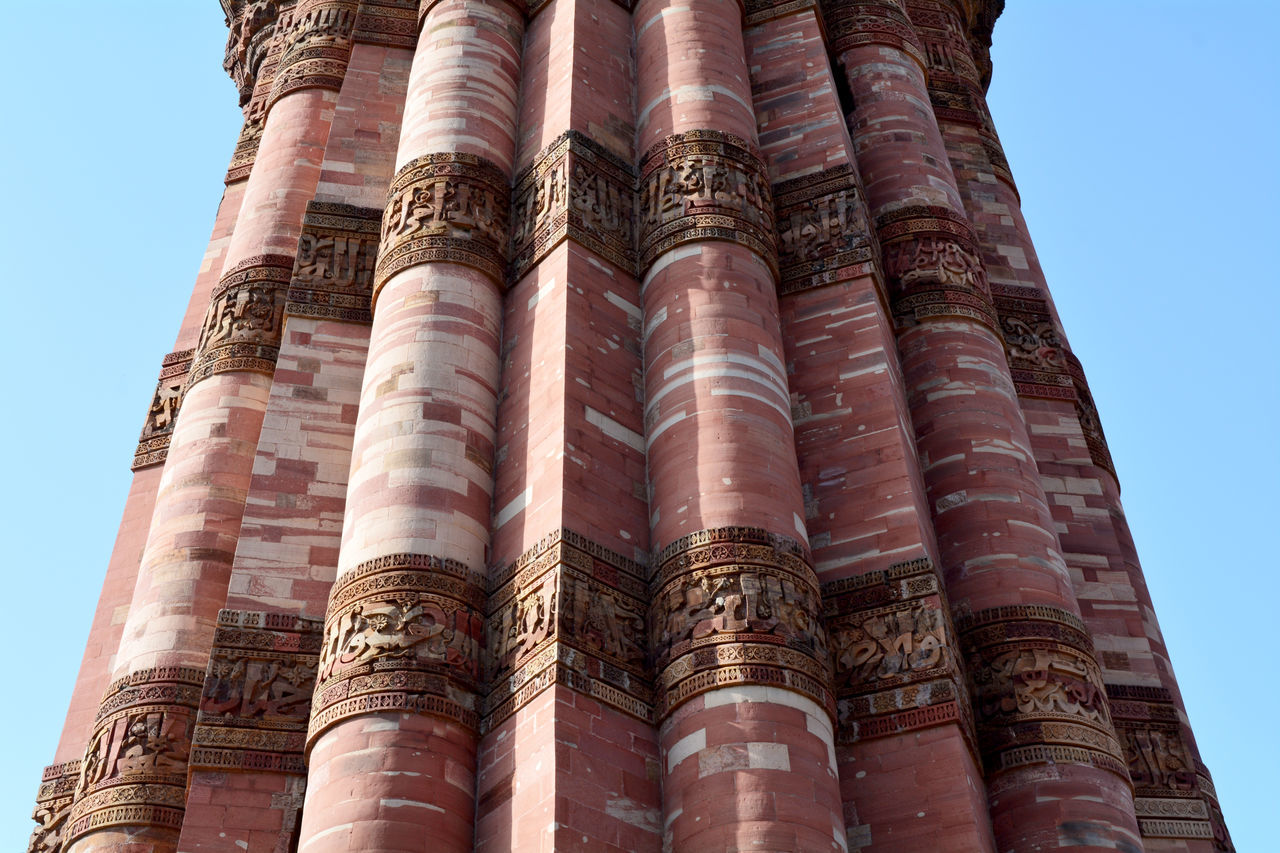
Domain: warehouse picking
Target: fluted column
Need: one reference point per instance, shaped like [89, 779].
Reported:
[132, 786]
[392, 741]
[743, 680]
[1044, 727]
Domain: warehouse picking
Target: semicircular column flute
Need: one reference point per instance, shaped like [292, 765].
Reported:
[744, 697]
[1053, 763]
[132, 788]
[392, 740]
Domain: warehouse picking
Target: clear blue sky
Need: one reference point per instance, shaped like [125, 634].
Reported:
[1143, 136]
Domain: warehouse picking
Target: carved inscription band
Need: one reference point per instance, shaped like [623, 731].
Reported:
[856, 23]
[245, 320]
[445, 207]
[737, 605]
[153, 444]
[53, 805]
[402, 633]
[823, 233]
[705, 185]
[895, 653]
[575, 189]
[1038, 691]
[317, 47]
[257, 693]
[134, 770]
[933, 266]
[568, 612]
[333, 275]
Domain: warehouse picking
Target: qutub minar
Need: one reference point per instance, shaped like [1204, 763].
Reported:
[622, 427]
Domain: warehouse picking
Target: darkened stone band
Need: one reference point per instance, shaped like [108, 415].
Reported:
[705, 185]
[257, 693]
[1037, 689]
[568, 612]
[575, 189]
[933, 266]
[157, 430]
[317, 48]
[856, 23]
[333, 274]
[823, 233]
[737, 606]
[895, 654]
[245, 320]
[402, 633]
[134, 770]
[451, 207]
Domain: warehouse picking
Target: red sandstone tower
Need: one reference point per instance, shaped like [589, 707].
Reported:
[622, 427]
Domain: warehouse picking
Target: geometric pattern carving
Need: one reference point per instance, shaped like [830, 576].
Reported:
[390, 23]
[737, 605]
[855, 23]
[134, 771]
[153, 444]
[760, 11]
[823, 232]
[402, 633]
[333, 274]
[579, 190]
[568, 612]
[445, 207]
[705, 185]
[895, 653]
[243, 325]
[250, 24]
[53, 805]
[1037, 689]
[257, 693]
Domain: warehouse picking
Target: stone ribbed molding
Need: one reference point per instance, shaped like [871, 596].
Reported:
[402, 633]
[705, 185]
[257, 693]
[153, 443]
[568, 612]
[450, 206]
[316, 47]
[734, 606]
[245, 319]
[574, 190]
[134, 771]
[823, 233]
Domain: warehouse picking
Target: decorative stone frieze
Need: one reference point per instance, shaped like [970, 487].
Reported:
[1037, 689]
[333, 273]
[402, 633]
[153, 444]
[251, 25]
[245, 320]
[856, 23]
[316, 47]
[568, 612]
[134, 771]
[704, 185]
[389, 23]
[1172, 797]
[933, 267]
[257, 693]
[53, 806]
[445, 207]
[736, 605]
[760, 11]
[823, 232]
[577, 190]
[896, 657]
